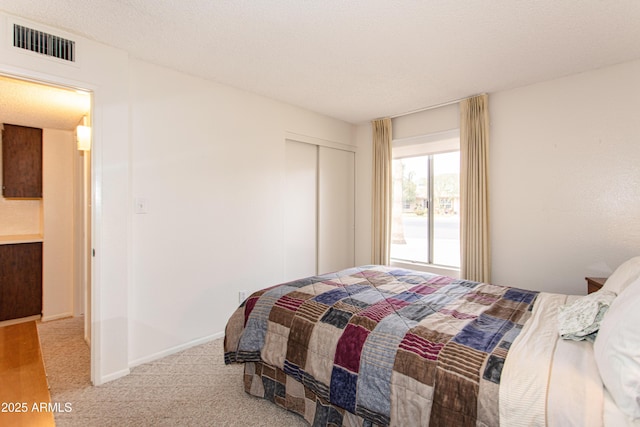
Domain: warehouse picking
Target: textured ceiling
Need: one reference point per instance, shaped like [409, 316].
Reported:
[29, 104]
[358, 59]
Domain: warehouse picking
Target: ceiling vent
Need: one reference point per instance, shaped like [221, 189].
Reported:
[44, 43]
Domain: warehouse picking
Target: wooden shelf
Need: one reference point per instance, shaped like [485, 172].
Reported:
[21, 238]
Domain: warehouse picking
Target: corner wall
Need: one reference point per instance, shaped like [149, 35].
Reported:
[209, 162]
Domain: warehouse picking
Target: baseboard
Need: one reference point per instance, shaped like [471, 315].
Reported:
[174, 350]
[56, 317]
[112, 376]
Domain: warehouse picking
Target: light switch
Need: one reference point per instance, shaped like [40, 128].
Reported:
[141, 205]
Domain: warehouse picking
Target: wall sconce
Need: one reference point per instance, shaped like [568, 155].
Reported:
[83, 136]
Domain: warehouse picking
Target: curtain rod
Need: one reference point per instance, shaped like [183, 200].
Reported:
[444, 104]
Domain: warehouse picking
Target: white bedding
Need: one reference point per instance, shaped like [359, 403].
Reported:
[523, 391]
[613, 416]
[576, 393]
[562, 385]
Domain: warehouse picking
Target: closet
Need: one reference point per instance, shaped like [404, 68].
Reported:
[319, 209]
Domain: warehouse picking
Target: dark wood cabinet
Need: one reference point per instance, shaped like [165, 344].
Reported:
[21, 162]
[20, 280]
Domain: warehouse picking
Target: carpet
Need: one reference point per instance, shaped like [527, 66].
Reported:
[190, 388]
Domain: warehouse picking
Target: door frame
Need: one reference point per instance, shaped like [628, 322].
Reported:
[92, 284]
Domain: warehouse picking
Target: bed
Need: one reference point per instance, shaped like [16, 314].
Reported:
[377, 346]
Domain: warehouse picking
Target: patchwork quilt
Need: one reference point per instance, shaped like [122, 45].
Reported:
[392, 346]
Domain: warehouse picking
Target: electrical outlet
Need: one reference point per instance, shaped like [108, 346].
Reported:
[242, 295]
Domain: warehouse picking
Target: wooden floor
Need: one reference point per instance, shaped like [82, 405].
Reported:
[24, 393]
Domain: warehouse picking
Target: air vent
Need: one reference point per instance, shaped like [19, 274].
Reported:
[44, 43]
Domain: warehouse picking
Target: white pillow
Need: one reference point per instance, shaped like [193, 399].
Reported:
[617, 350]
[626, 273]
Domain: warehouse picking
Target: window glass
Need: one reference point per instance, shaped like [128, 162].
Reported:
[446, 218]
[426, 202]
[410, 219]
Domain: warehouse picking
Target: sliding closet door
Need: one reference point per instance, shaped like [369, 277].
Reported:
[336, 209]
[300, 210]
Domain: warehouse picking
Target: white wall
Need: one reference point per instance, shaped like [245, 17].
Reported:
[210, 162]
[58, 151]
[565, 179]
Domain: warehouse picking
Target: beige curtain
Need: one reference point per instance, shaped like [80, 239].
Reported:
[382, 182]
[474, 189]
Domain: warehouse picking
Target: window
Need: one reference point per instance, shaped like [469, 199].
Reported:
[426, 200]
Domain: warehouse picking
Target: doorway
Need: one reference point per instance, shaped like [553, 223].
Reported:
[67, 260]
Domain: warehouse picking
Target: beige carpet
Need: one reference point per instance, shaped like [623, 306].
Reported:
[190, 388]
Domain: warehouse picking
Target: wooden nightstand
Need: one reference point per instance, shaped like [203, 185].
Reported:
[594, 283]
